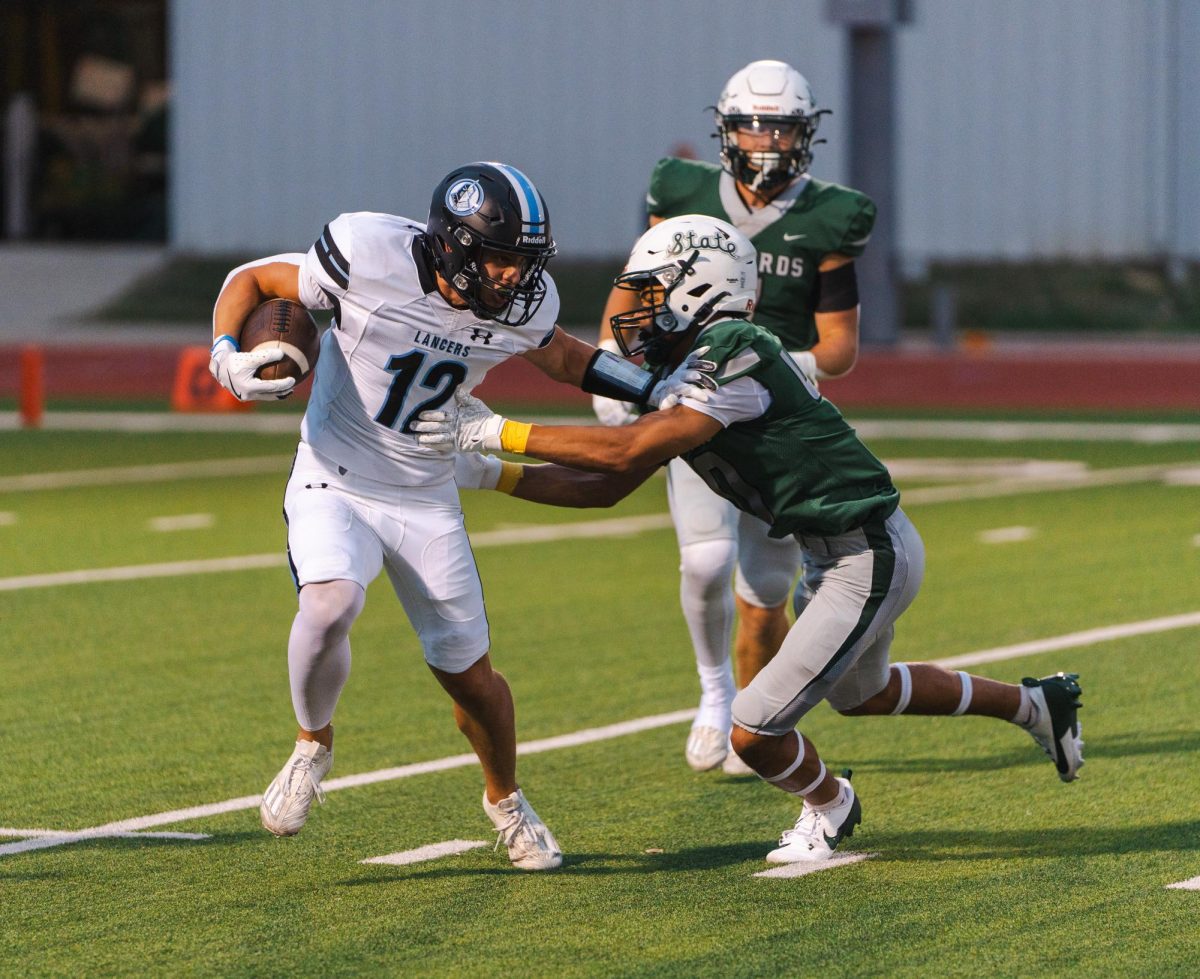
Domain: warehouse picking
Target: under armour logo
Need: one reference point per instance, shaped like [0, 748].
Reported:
[483, 335]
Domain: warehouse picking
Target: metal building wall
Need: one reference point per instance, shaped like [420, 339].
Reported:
[1035, 129]
[1026, 128]
[288, 114]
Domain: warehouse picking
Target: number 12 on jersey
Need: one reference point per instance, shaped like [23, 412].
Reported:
[441, 378]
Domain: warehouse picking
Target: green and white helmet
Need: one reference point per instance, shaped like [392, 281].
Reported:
[688, 270]
[767, 99]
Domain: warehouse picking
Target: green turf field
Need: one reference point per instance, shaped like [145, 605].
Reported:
[126, 699]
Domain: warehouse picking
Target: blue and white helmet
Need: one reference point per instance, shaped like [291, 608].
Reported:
[688, 270]
[491, 207]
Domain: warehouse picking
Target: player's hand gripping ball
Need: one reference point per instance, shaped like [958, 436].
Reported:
[280, 324]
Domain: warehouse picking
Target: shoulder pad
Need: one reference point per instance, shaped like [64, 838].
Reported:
[674, 179]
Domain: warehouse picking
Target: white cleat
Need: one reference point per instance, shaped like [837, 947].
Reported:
[531, 845]
[706, 748]
[733, 765]
[816, 835]
[288, 798]
[1055, 726]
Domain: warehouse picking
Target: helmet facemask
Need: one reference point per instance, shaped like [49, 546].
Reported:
[514, 296]
[652, 328]
[787, 143]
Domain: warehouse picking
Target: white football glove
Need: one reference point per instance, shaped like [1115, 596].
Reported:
[613, 413]
[474, 471]
[435, 429]
[478, 426]
[235, 370]
[691, 379]
[807, 362]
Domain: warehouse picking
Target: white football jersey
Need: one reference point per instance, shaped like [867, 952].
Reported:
[397, 348]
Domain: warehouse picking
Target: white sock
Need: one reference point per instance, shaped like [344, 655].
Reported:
[843, 797]
[1026, 714]
[716, 696]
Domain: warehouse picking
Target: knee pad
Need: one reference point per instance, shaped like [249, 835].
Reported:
[707, 565]
[329, 608]
[766, 567]
[751, 711]
[763, 587]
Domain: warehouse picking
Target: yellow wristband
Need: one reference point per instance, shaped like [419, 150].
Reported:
[510, 475]
[514, 435]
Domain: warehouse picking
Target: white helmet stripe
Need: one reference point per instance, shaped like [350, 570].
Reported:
[531, 205]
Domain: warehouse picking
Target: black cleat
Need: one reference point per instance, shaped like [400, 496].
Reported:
[1055, 725]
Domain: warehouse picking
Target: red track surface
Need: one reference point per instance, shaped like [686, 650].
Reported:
[1058, 377]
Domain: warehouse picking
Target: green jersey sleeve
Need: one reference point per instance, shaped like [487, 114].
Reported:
[858, 229]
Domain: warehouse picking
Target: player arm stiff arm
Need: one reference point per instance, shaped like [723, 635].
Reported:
[565, 358]
[571, 360]
[648, 442]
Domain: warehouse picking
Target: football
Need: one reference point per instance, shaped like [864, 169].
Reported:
[288, 326]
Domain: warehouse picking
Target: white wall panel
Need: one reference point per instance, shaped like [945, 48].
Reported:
[1026, 128]
[1035, 129]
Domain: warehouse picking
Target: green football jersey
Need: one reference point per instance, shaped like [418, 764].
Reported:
[793, 234]
[799, 467]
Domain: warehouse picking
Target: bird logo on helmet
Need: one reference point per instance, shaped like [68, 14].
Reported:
[491, 212]
[689, 271]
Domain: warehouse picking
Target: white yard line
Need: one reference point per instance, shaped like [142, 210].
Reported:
[540, 533]
[1191, 884]
[1007, 535]
[812, 867]
[156, 473]
[181, 521]
[431, 852]
[55, 833]
[615, 527]
[574, 739]
[586, 736]
[148, 421]
[1072, 640]
[135, 572]
[1013, 487]
[994, 431]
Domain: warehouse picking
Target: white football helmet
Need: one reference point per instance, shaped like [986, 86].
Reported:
[688, 270]
[771, 103]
